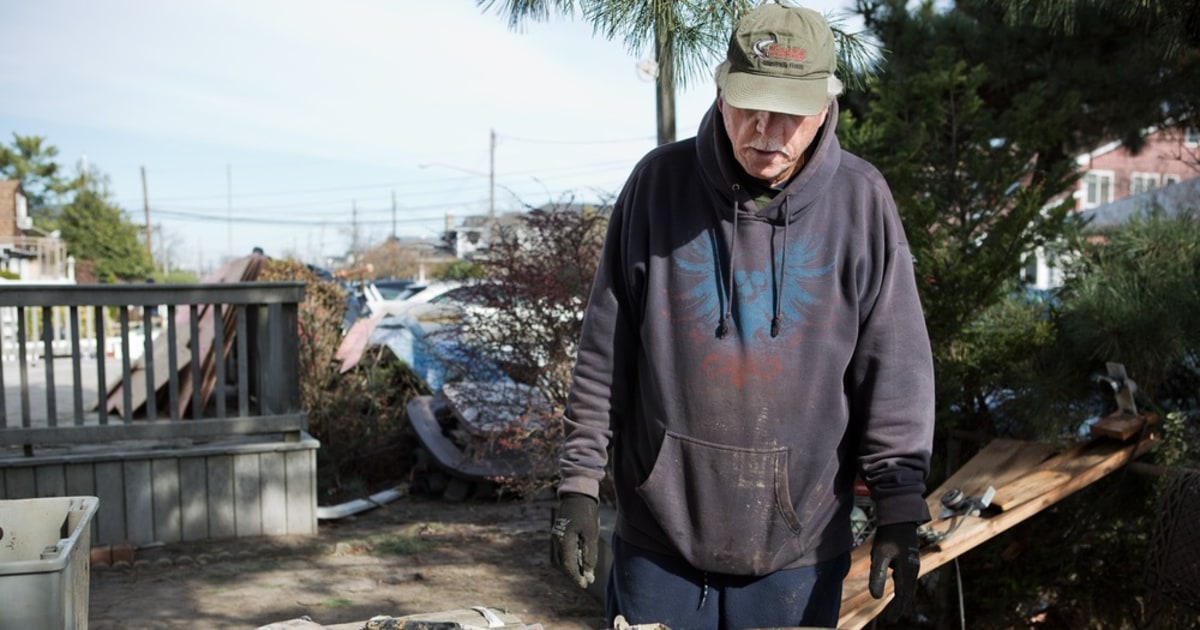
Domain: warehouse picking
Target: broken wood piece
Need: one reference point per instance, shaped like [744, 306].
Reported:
[1057, 477]
[1122, 426]
[355, 341]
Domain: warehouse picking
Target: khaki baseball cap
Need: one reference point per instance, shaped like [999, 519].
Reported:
[780, 59]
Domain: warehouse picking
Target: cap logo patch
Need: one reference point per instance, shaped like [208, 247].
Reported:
[768, 49]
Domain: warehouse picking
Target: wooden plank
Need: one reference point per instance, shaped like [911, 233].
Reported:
[193, 503]
[139, 502]
[163, 429]
[995, 465]
[1121, 426]
[273, 479]
[139, 374]
[229, 288]
[1074, 470]
[301, 491]
[110, 488]
[81, 482]
[247, 495]
[221, 519]
[20, 483]
[1027, 488]
[168, 524]
[1075, 474]
[51, 481]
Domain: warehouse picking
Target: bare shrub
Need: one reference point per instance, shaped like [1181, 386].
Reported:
[524, 323]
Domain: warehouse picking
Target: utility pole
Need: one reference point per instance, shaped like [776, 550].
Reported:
[162, 243]
[393, 215]
[146, 206]
[229, 207]
[354, 229]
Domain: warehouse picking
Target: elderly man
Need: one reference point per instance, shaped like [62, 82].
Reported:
[753, 342]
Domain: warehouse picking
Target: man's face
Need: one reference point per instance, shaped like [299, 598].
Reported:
[769, 146]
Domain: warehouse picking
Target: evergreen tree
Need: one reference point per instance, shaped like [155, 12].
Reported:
[974, 184]
[96, 229]
[31, 161]
[1130, 298]
[1150, 52]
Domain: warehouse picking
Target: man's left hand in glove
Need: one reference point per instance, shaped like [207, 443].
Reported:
[896, 547]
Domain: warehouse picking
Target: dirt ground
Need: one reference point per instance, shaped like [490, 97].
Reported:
[414, 555]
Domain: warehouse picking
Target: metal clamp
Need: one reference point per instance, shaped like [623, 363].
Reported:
[956, 505]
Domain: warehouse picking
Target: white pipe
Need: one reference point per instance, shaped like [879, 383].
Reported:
[350, 508]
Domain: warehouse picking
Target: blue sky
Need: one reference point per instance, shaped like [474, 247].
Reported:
[283, 124]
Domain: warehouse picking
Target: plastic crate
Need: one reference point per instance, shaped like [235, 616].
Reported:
[45, 548]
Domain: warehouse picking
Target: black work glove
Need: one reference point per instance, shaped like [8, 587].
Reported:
[896, 547]
[576, 535]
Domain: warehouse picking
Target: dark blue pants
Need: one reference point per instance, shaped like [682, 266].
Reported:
[647, 587]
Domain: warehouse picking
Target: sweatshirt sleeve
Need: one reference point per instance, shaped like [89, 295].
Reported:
[892, 386]
[603, 373]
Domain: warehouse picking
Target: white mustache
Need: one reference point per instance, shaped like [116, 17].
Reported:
[769, 145]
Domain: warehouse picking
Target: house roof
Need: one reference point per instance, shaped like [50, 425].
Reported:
[1087, 157]
[1173, 199]
[1084, 159]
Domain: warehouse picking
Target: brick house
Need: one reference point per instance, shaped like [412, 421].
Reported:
[27, 252]
[1112, 172]
[12, 208]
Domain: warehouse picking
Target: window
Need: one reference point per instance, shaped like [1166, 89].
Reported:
[1191, 136]
[1097, 188]
[1142, 182]
[1170, 179]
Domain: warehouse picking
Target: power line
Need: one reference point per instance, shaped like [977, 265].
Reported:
[323, 205]
[252, 220]
[578, 142]
[550, 173]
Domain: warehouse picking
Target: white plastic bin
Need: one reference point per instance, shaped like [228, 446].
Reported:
[45, 548]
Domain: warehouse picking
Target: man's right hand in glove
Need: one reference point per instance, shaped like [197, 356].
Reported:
[575, 535]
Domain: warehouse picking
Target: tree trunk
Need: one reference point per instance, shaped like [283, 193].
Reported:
[664, 51]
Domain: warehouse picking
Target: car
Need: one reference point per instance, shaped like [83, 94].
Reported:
[395, 289]
[405, 300]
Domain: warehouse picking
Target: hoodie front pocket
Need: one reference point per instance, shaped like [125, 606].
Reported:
[726, 509]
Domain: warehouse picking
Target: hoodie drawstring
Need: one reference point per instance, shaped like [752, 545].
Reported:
[777, 316]
[787, 219]
[723, 325]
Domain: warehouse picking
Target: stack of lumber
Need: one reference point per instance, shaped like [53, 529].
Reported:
[1028, 477]
[246, 269]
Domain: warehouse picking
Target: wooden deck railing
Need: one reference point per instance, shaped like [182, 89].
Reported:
[220, 361]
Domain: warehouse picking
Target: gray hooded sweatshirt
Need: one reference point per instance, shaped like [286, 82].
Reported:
[744, 364]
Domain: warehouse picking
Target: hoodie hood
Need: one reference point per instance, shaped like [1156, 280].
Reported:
[725, 175]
